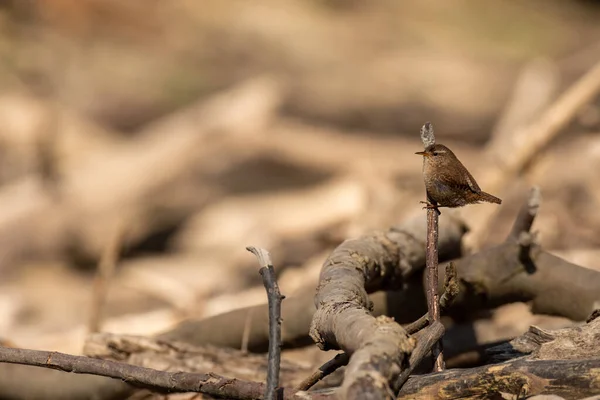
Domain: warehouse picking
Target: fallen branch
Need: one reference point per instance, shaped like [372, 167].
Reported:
[138, 376]
[161, 381]
[274, 298]
[563, 362]
[520, 379]
[378, 346]
[519, 270]
[340, 360]
[580, 342]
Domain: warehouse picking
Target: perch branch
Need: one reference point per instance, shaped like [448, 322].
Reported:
[431, 267]
[433, 305]
[274, 298]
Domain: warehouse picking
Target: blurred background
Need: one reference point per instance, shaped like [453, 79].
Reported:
[172, 134]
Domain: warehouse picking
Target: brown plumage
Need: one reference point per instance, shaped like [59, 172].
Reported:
[447, 181]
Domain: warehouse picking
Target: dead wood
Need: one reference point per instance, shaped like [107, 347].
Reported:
[378, 347]
[340, 360]
[520, 378]
[561, 362]
[520, 270]
[523, 376]
[488, 279]
[579, 342]
[496, 276]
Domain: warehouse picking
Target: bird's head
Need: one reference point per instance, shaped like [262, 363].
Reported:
[437, 154]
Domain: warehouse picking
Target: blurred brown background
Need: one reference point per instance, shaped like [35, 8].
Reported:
[192, 129]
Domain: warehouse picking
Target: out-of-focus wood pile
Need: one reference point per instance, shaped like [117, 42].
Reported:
[199, 129]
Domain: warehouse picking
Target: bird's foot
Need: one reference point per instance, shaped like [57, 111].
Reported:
[428, 205]
[431, 206]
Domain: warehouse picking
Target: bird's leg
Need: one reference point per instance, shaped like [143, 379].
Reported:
[429, 205]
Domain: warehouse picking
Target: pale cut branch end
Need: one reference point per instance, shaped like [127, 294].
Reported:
[427, 136]
[263, 256]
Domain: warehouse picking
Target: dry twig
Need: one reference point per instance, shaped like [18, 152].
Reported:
[211, 384]
[426, 340]
[324, 370]
[274, 298]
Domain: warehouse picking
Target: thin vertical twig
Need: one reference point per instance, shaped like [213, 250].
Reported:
[431, 263]
[433, 302]
[273, 392]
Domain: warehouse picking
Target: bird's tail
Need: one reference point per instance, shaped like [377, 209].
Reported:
[489, 198]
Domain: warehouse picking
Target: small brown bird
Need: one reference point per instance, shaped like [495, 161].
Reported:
[447, 181]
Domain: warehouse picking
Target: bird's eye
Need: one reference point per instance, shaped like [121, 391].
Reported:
[435, 153]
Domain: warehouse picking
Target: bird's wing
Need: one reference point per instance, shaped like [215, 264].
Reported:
[462, 180]
[471, 182]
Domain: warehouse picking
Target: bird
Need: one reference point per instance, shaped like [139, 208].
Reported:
[447, 182]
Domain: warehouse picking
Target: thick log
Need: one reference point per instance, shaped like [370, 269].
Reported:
[571, 379]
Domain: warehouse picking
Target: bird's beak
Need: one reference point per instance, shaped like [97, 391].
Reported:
[422, 153]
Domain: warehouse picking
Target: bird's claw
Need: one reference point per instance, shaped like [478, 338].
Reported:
[428, 205]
